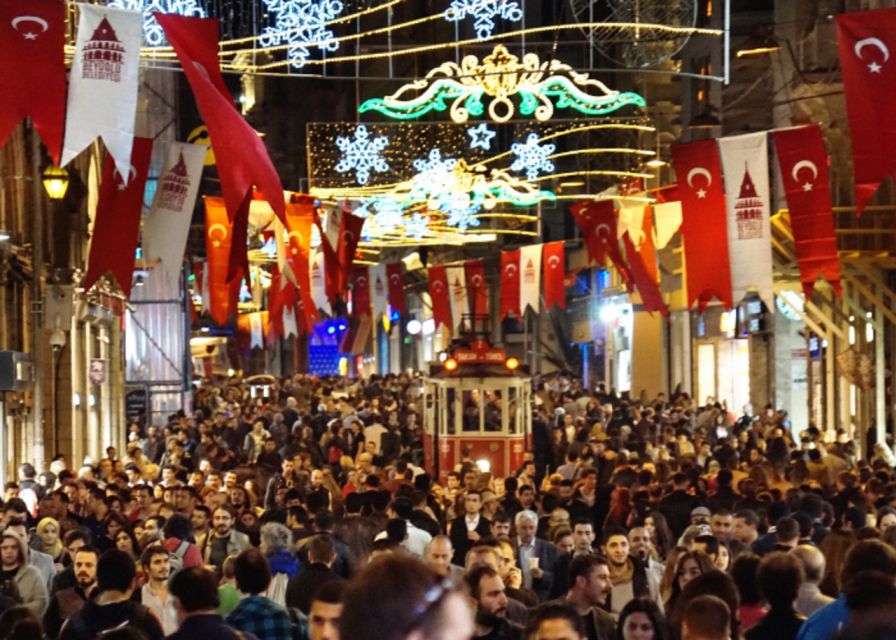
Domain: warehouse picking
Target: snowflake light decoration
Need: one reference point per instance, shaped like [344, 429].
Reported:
[153, 34]
[301, 25]
[416, 226]
[388, 213]
[461, 210]
[361, 154]
[532, 157]
[484, 14]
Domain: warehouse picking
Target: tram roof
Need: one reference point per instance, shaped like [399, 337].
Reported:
[478, 370]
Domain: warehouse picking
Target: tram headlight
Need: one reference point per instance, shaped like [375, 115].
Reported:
[450, 364]
[512, 363]
[484, 465]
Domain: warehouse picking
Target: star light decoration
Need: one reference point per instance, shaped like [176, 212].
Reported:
[532, 157]
[541, 87]
[481, 136]
[301, 25]
[361, 154]
[153, 35]
[484, 13]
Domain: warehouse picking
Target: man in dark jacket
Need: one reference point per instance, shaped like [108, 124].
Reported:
[677, 506]
[466, 530]
[301, 588]
[113, 607]
[67, 602]
[487, 598]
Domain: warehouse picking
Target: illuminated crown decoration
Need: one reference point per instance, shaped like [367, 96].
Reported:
[541, 87]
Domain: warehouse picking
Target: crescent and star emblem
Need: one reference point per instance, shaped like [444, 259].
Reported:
[394, 278]
[804, 164]
[216, 242]
[437, 286]
[553, 261]
[603, 231]
[362, 280]
[349, 236]
[29, 35]
[477, 280]
[878, 44]
[511, 269]
[699, 171]
[122, 184]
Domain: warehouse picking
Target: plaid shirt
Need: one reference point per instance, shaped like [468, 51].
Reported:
[261, 617]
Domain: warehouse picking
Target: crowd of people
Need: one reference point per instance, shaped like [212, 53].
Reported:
[312, 514]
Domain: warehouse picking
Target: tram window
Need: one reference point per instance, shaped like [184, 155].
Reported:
[449, 410]
[472, 410]
[511, 408]
[493, 409]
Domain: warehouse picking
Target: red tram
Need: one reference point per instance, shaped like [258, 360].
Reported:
[477, 401]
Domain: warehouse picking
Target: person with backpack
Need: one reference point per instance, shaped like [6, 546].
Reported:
[195, 594]
[113, 608]
[177, 538]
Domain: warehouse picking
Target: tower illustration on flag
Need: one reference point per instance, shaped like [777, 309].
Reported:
[174, 186]
[748, 209]
[103, 54]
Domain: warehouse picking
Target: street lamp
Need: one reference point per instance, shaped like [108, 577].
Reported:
[55, 181]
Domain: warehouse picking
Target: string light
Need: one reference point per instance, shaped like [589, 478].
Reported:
[153, 35]
[500, 76]
[484, 13]
[302, 25]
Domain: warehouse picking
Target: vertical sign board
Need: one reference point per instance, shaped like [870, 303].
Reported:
[135, 405]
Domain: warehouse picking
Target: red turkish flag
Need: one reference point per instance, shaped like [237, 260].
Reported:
[477, 288]
[704, 222]
[360, 292]
[510, 283]
[241, 157]
[299, 218]
[867, 42]
[238, 265]
[332, 269]
[439, 293]
[804, 174]
[218, 240]
[553, 265]
[647, 286]
[396, 288]
[349, 236]
[32, 69]
[596, 220]
[117, 223]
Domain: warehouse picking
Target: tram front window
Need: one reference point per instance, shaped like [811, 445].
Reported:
[472, 411]
[493, 409]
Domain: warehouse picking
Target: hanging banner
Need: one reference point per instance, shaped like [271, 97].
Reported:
[396, 288]
[647, 286]
[631, 218]
[290, 326]
[218, 238]
[299, 217]
[166, 226]
[477, 287]
[668, 221]
[803, 163]
[748, 198]
[276, 300]
[241, 157]
[378, 290]
[440, 296]
[350, 227]
[457, 292]
[704, 222]
[318, 281]
[647, 246]
[332, 271]
[32, 69]
[238, 266]
[103, 84]
[553, 261]
[867, 41]
[510, 283]
[596, 220]
[113, 246]
[530, 277]
[360, 292]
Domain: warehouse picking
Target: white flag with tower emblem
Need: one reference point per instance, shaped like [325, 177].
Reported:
[747, 197]
[167, 223]
[318, 280]
[379, 290]
[457, 294]
[103, 84]
[530, 277]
